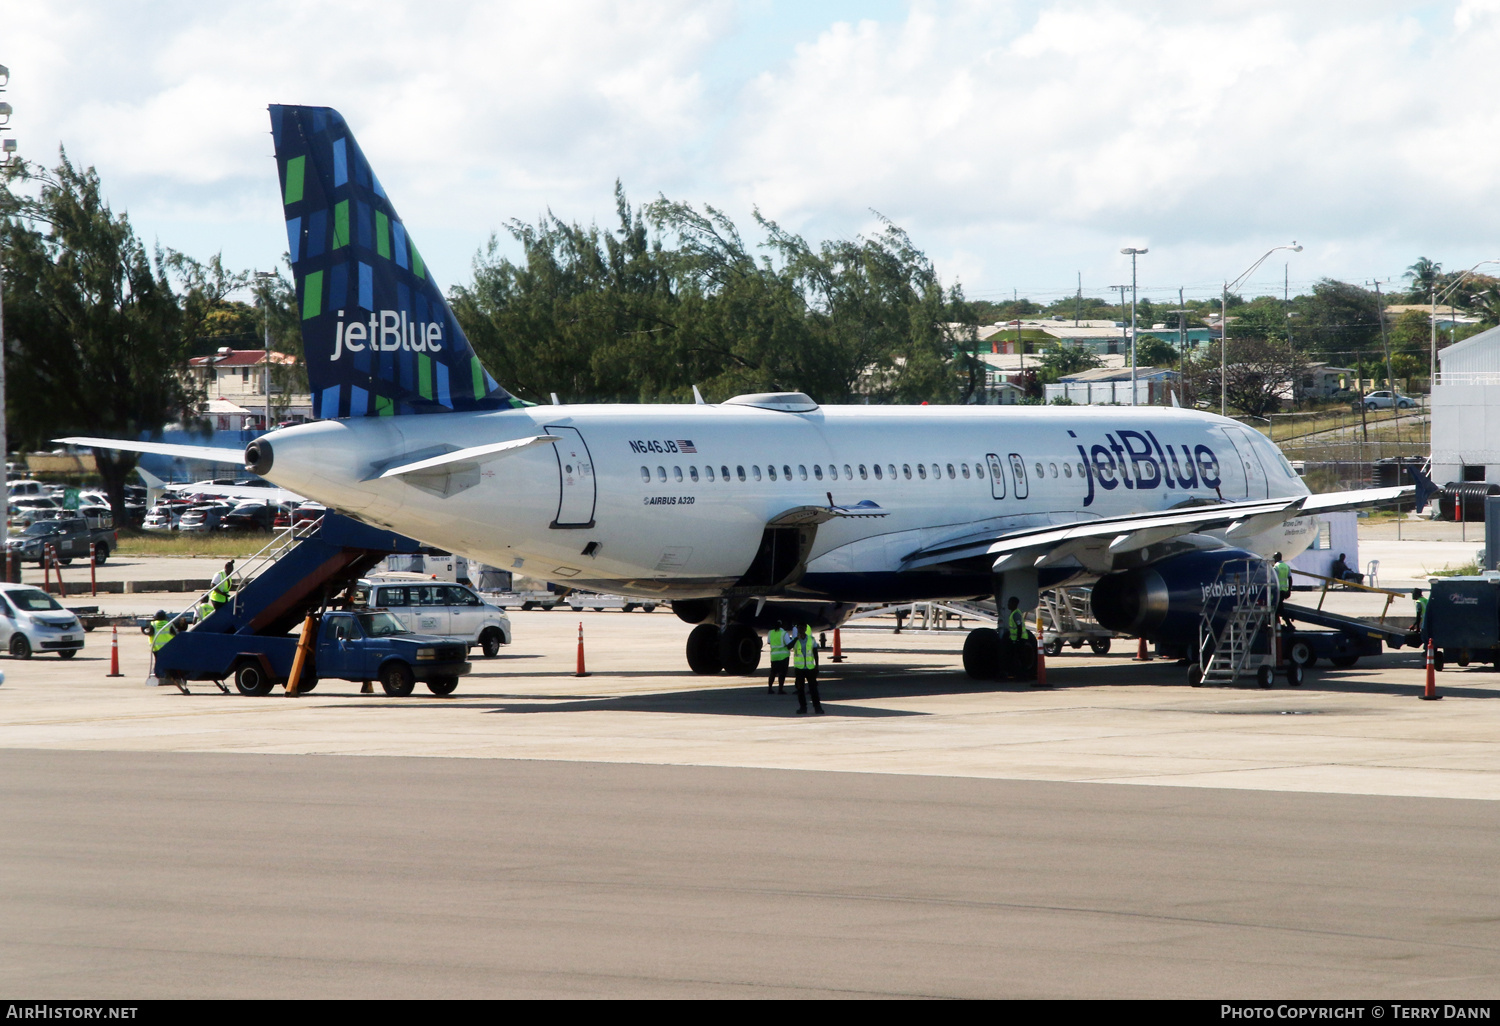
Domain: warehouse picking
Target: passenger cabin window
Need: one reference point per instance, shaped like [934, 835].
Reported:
[802, 471]
[937, 471]
[741, 472]
[906, 467]
[848, 472]
[864, 475]
[661, 473]
[833, 472]
[646, 474]
[965, 468]
[709, 472]
[951, 473]
[979, 470]
[787, 472]
[693, 473]
[724, 473]
[922, 471]
[771, 471]
[755, 471]
[678, 472]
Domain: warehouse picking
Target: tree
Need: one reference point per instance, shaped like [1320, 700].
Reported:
[1261, 374]
[1424, 276]
[1061, 359]
[1151, 351]
[1338, 318]
[95, 336]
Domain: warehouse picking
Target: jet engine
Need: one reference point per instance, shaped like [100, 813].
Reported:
[1164, 601]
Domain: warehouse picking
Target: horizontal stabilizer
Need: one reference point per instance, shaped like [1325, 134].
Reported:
[473, 454]
[186, 452]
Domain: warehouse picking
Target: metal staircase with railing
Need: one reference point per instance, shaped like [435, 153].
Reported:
[1236, 636]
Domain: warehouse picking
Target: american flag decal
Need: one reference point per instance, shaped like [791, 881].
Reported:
[686, 445]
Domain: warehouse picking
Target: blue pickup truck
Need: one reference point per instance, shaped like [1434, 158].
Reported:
[361, 646]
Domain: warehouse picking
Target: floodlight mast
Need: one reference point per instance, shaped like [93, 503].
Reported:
[1436, 298]
[1132, 254]
[1224, 322]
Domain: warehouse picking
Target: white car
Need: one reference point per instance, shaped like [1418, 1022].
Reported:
[1383, 401]
[32, 621]
[427, 606]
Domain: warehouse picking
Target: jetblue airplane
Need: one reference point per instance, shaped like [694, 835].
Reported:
[760, 508]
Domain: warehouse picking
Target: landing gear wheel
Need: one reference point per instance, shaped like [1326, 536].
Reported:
[1302, 654]
[1195, 676]
[1054, 647]
[739, 649]
[490, 639]
[397, 680]
[1100, 646]
[982, 654]
[252, 679]
[1345, 661]
[443, 685]
[703, 649]
[1294, 676]
[1264, 676]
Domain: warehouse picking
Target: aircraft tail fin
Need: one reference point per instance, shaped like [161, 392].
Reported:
[377, 334]
[1426, 487]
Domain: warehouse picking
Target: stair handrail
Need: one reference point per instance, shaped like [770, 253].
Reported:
[282, 541]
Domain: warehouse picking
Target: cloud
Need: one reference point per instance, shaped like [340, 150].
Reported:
[1018, 142]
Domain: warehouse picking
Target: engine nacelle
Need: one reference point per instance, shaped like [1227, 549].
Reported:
[1164, 601]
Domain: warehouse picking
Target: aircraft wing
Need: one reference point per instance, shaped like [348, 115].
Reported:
[188, 452]
[1043, 546]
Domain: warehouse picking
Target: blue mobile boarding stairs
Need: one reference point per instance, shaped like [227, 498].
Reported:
[302, 570]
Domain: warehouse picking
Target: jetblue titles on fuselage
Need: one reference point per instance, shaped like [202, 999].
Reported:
[1137, 460]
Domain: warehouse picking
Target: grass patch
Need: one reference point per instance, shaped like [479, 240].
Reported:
[1469, 569]
[219, 544]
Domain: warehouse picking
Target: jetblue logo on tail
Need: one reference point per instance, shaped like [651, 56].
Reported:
[386, 332]
[377, 332]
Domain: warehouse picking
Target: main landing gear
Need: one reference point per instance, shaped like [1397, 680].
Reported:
[988, 656]
[735, 649]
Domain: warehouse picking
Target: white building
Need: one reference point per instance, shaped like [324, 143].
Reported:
[1466, 411]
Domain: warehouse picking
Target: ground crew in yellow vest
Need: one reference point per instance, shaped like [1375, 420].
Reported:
[805, 666]
[779, 638]
[163, 630]
[205, 607]
[223, 585]
[1421, 622]
[1283, 583]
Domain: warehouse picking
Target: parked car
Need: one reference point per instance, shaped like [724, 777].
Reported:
[307, 513]
[200, 518]
[1383, 401]
[32, 621]
[25, 512]
[435, 607]
[69, 537]
[249, 516]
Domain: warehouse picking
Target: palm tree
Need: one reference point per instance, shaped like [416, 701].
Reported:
[1424, 275]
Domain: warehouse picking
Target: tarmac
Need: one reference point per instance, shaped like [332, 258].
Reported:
[643, 831]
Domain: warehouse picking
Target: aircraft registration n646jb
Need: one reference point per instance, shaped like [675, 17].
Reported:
[760, 508]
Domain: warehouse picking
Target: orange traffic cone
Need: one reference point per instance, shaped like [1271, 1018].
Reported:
[581, 671]
[114, 653]
[1430, 694]
[838, 648]
[1041, 661]
[1142, 653]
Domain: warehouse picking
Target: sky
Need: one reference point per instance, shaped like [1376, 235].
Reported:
[1021, 144]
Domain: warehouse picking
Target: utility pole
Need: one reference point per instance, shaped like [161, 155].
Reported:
[264, 279]
[1390, 379]
[7, 148]
[1181, 313]
[1078, 303]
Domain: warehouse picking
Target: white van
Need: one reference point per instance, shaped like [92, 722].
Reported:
[32, 621]
[429, 606]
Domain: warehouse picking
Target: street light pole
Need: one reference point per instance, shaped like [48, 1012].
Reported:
[265, 278]
[1432, 369]
[1132, 253]
[1224, 322]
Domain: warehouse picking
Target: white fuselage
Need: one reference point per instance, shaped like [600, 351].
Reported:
[673, 500]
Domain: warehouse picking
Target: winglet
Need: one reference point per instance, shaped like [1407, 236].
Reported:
[698, 397]
[1426, 487]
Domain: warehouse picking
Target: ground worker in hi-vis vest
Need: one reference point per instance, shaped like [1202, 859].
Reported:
[206, 607]
[805, 665]
[780, 639]
[1421, 601]
[223, 585]
[1283, 583]
[163, 630]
